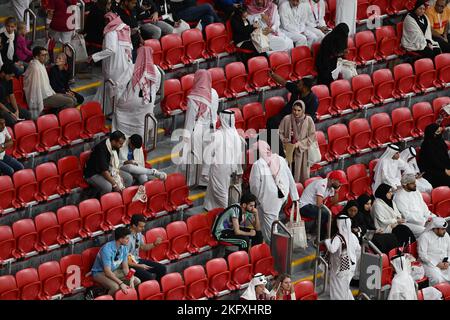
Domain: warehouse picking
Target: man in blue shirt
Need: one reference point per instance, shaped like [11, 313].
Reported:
[110, 268]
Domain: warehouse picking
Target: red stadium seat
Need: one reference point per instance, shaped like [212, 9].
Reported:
[381, 125]
[200, 232]
[386, 271]
[396, 6]
[10, 151]
[84, 157]
[240, 268]
[425, 74]
[219, 82]
[177, 190]
[7, 194]
[262, 260]
[237, 78]
[366, 46]
[180, 240]
[372, 165]
[157, 51]
[195, 47]
[149, 290]
[302, 62]
[8, 288]
[132, 207]
[361, 13]
[27, 189]
[71, 173]
[219, 276]
[196, 283]
[444, 288]
[387, 42]
[423, 116]
[363, 91]
[48, 229]
[427, 199]
[49, 132]
[92, 216]
[157, 198]
[323, 144]
[304, 290]
[71, 266]
[18, 92]
[280, 63]
[105, 297]
[273, 106]
[27, 138]
[28, 284]
[441, 201]
[358, 180]
[239, 122]
[384, 85]
[48, 180]
[113, 208]
[438, 103]
[7, 243]
[187, 82]
[173, 97]
[71, 124]
[88, 257]
[288, 206]
[404, 80]
[216, 39]
[360, 134]
[93, 119]
[161, 251]
[338, 141]
[52, 279]
[351, 50]
[330, 13]
[26, 237]
[173, 50]
[258, 73]
[402, 123]
[323, 94]
[254, 116]
[130, 295]
[342, 95]
[70, 222]
[442, 63]
[173, 287]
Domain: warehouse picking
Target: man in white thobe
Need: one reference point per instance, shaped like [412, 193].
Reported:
[19, 7]
[293, 21]
[410, 203]
[316, 27]
[403, 286]
[389, 169]
[346, 12]
[409, 156]
[226, 150]
[434, 251]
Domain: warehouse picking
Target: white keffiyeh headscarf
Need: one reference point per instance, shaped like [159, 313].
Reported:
[10, 42]
[115, 164]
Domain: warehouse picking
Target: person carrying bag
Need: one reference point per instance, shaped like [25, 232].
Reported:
[296, 226]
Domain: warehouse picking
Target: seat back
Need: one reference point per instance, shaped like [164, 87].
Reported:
[173, 286]
[49, 130]
[48, 228]
[302, 61]
[216, 38]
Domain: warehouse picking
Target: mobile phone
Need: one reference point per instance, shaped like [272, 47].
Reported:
[445, 260]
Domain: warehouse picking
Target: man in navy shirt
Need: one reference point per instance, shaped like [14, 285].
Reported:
[110, 268]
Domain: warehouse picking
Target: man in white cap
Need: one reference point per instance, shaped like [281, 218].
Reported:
[256, 290]
[434, 251]
[388, 169]
[409, 156]
[403, 286]
[410, 203]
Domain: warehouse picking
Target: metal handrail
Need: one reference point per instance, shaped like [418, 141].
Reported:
[74, 56]
[82, 13]
[33, 18]
[325, 276]
[113, 85]
[146, 131]
[318, 242]
[272, 243]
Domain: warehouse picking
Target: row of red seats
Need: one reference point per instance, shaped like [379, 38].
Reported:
[51, 131]
[443, 287]
[90, 218]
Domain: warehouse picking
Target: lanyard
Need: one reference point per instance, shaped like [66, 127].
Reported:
[318, 11]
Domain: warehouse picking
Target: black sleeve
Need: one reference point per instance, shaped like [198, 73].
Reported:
[9, 88]
[55, 80]
[102, 159]
[292, 87]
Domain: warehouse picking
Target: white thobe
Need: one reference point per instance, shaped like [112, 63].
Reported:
[263, 186]
[19, 7]
[388, 171]
[315, 18]
[432, 250]
[131, 110]
[422, 184]
[384, 216]
[278, 41]
[413, 209]
[116, 65]
[293, 23]
[346, 12]
[200, 137]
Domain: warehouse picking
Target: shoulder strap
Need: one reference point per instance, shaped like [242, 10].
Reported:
[219, 216]
[344, 244]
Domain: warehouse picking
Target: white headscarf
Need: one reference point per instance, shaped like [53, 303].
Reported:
[410, 153]
[431, 293]
[10, 42]
[391, 150]
[403, 285]
[250, 293]
[436, 222]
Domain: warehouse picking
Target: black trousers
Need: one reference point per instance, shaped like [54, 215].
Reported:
[429, 53]
[243, 242]
[9, 119]
[155, 273]
[445, 46]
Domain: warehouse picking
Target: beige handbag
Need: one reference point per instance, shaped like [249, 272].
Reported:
[260, 41]
[297, 228]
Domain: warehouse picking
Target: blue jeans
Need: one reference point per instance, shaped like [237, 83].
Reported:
[312, 211]
[9, 165]
[205, 12]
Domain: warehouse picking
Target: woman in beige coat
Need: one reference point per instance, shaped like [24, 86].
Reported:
[297, 131]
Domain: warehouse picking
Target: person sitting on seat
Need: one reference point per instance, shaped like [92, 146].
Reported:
[189, 11]
[131, 157]
[293, 23]
[110, 268]
[283, 289]
[439, 16]
[409, 155]
[389, 167]
[257, 290]
[316, 19]
[434, 251]
[403, 286]
[8, 39]
[239, 224]
[8, 165]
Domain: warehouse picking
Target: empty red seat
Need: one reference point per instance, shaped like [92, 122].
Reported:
[404, 79]
[71, 173]
[366, 46]
[157, 198]
[425, 74]
[427, 199]
[402, 123]
[27, 189]
[254, 116]
[132, 207]
[237, 79]
[113, 208]
[92, 216]
[262, 260]
[273, 106]
[48, 180]
[93, 119]
[49, 132]
[396, 6]
[173, 97]
[381, 125]
[27, 138]
[304, 290]
[240, 268]
[196, 283]
[323, 144]
[28, 284]
[219, 277]
[363, 90]
[302, 62]
[7, 194]
[442, 63]
[71, 124]
[280, 63]
[219, 82]
[51, 278]
[438, 103]
[200, 232]
[342, 95]
[372, 165]
[180, 239]
[8, 288]
[216, 39]
[195, 47]
[384, 85]
[161, 251]
[150, 290]
[7, 243]
[157, 51]
[70, 222]
[423, 116]
[177, 190]
[71, 267]
[444, 288]
[173, 50]
[360, 134]
[239, 122]
[358, 180]
[351, 50]
[131, 295]
[361, 13]
[19, 94]
[48, 229]
[88, 257]
[441, 201]
[387, 41]
[338, 141]
[323, 94]
[26, 237]
[258, 73]
[173, 286]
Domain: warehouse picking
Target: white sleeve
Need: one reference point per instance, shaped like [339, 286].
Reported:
[110, 44]
[386, 178]
[333, 245]
[255, 181]
[276, 20]
[382, 217]
[422, 249]
[285, 18]
[191, 111]
[322, 14]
